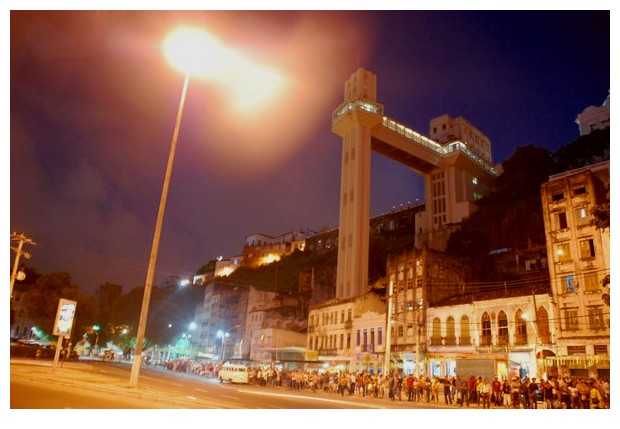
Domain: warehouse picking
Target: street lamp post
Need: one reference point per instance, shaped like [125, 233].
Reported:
[195, 53]
[137, 359]
[223, 335]
[96, 332]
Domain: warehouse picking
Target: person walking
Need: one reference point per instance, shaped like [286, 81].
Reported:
[447, 394]
[485, 393]
[533, 394]
[435, 390]
[410, 388]
[496, 392]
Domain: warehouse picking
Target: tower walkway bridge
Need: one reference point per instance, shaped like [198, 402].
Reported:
[407, 146]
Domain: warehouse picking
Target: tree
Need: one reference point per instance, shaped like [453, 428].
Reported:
[601, 213]
[601, 220]
[41, 303]
[586, 150]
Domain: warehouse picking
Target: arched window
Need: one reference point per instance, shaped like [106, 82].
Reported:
[450, 335]
[502, 329]
[485, 333]
[436, 335]
[542, 325]
[465, 339]
[520, 328]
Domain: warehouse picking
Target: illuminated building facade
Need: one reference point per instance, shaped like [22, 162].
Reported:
[594, 118]
[579, 261]
[262, 249]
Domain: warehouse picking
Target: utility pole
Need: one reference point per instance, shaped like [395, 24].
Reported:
[388, 331]
[21, 239]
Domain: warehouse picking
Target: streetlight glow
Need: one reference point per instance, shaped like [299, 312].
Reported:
[198, 54]
[194, 52]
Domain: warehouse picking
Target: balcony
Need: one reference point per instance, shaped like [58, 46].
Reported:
[348, 324]
[328, 352]
[485, 340]
[502, 340]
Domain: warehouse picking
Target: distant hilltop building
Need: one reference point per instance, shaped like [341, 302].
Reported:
[594, 118]
[261, 249]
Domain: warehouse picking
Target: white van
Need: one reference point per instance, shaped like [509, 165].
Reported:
[233, 374]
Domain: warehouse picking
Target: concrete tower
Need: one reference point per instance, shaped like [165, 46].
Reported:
[456, 175]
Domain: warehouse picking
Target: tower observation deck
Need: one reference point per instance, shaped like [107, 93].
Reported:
[456, 173]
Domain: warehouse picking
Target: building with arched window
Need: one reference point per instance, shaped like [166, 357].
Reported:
[502, 332]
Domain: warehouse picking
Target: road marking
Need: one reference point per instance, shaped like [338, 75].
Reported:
[193, 398]
[313, 398]
[201, 390]
[234, 398]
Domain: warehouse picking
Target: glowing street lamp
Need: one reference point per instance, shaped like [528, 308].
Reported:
[96, 332]
[196, 53]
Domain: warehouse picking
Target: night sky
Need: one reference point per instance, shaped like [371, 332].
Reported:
[93, 104]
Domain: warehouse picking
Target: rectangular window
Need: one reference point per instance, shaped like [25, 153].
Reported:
[576, 350]
[560, 221]
[342, 316]
[571, 319]
[365, 344]
[579, 191]
[358, 341]
[595, 318]
[379, 336]
[581, 216]
[569, 284]
[348, 341]
[586, 248]
[557, 197]
[590, 282]
[601, 349]
[401, 330]
[372, 338]
[562, 251]
[349, 314]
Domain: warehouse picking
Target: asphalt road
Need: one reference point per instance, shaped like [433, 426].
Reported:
[103, 385]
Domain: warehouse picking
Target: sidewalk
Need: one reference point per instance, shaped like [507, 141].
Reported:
[89, 376]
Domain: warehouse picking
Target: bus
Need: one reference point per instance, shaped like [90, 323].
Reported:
[233, 373]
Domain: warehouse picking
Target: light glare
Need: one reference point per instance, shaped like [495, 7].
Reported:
[194, 52]
[197, 53]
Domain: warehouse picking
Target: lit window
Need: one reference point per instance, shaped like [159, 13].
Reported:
[563, 252]
[474, 180]
[581, 216]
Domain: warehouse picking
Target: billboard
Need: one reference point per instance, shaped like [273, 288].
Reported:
[64, 317]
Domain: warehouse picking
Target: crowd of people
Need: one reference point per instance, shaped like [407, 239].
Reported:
[481, 392]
